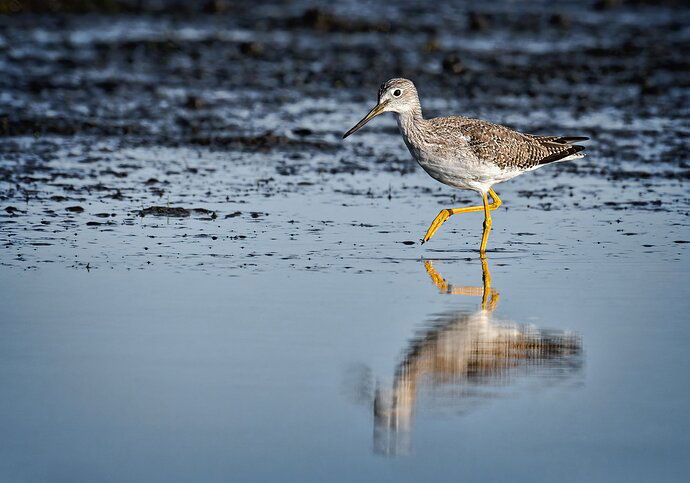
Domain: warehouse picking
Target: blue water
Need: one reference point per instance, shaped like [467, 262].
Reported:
[270, 373]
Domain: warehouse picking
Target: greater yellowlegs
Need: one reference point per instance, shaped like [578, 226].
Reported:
[466, 153]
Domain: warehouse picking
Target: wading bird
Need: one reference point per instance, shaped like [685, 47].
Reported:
[466, 153]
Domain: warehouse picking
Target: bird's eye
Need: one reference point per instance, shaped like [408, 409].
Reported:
[397, 92]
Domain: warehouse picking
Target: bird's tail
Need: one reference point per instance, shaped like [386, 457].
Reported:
[565, 149]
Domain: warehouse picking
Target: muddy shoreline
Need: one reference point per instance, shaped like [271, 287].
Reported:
[135, 106]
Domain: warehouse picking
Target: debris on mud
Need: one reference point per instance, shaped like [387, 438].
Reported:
[173, 212]
[177, 212]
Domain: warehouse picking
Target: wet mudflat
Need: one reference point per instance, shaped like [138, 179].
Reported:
[200, 281]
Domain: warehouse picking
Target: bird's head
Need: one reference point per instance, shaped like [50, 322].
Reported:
[395, 95]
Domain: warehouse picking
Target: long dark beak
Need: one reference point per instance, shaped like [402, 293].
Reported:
[372, 114]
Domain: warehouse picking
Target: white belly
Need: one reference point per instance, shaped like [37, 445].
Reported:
[463, 171]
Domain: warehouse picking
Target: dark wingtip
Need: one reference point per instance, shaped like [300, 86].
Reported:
[574, 139]
[562, 154]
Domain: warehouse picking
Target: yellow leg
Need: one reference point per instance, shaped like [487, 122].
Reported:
[487, 224]
[445, 214]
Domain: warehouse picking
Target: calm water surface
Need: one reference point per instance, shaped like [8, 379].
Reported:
[389, 369]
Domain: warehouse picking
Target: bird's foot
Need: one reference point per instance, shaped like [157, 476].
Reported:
[436, 224]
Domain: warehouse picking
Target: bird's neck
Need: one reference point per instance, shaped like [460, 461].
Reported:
[410, 121]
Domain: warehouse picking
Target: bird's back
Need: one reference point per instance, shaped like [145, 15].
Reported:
[496, 144]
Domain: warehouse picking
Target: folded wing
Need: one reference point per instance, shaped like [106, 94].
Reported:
[511, 149]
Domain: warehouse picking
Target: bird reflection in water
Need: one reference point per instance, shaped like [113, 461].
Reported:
[466, 351]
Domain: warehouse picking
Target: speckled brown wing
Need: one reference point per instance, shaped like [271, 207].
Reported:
[511, 149]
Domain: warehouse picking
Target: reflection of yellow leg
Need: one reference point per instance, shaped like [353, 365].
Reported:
[484, 292]
[486, 277]
[445, 214]
[445, 287]
[436, 277]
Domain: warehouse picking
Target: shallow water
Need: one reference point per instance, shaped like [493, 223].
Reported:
[167, 375]
[199, 280]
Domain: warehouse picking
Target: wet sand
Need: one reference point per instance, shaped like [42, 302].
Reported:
[200, 280]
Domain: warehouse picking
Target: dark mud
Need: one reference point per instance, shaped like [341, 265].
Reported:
[223, 122]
